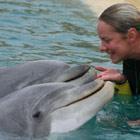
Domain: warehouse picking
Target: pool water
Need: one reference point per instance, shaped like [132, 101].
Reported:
[64, 30]
[46, 29]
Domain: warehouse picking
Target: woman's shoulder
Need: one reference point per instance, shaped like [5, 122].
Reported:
[131, 63]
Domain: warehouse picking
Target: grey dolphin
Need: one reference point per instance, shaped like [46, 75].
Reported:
[36, 72]
[41, 109]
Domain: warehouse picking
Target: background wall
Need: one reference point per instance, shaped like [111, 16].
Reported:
[98, 6]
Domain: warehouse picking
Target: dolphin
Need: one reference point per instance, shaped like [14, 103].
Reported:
[37, 72]
[61, 105]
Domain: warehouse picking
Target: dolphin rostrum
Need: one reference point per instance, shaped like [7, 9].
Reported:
[61, 105]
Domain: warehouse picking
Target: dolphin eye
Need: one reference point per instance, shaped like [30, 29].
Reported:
[37, 114]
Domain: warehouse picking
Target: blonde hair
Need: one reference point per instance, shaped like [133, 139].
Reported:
[121, 17]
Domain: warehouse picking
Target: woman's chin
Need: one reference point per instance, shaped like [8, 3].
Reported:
[115, 60]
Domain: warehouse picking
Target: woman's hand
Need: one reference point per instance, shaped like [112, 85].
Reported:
[109, 74]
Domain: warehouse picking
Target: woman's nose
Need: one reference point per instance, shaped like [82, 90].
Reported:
[103, 47]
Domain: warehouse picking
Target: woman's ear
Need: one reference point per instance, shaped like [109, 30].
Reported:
[132, 34]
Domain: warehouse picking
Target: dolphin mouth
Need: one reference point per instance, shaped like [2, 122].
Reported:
[73, 73]
[80, 74]
[80, 110]
[85, 97]
[88, 85]
[83, 92]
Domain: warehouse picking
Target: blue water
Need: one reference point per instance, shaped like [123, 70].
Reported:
[46, 29]
[64, 30]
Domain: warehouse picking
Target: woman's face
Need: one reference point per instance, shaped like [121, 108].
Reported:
[113, 43]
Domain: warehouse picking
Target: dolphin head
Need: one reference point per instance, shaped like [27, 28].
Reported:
[41, 109]
[37, 72]
[69, 106]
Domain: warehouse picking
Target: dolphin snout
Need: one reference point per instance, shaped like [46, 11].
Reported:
[73, 73]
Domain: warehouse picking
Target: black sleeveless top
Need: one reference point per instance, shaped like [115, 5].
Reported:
[131, 69]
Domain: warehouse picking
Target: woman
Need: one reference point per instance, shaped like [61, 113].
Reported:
[119, 30]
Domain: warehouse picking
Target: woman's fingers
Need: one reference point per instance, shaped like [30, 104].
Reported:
[109, 74]
[100, 68]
